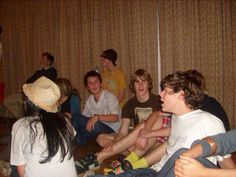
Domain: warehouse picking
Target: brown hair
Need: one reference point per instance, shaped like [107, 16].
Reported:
[143, 75]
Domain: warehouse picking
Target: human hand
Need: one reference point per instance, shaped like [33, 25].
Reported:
[145, 133]
[141, 143]
[108, 147]
[91, 122]
[188, 167]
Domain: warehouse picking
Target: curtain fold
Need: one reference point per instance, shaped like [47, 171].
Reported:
[193, 34]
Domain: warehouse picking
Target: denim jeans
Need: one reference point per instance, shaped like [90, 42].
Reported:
[13, 171]
[168, 169]
[84, 135]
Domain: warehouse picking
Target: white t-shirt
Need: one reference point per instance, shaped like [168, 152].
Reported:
[107, 104]
[187, 128]
[21, 153]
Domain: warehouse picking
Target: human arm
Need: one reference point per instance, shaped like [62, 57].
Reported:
[154, 133]
[75, 105]
[121, 95]
[20, 170]
[189, 167]
[104, 118]
[18, 140]
[124, 129]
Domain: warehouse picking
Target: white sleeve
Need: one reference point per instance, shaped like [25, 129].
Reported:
[17, 144]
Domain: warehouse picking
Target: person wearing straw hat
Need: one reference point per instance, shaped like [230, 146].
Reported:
[41, 141]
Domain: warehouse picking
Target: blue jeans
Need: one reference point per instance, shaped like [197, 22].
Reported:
[168, 169]
[13, 171]
[84, 135]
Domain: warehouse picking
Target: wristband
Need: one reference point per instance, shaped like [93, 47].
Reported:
[212, 143]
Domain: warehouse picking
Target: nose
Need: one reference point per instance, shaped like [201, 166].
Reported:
[162, 93]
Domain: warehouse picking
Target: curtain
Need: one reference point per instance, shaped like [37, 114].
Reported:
[195, 34]
[201, 35]
[76, 33]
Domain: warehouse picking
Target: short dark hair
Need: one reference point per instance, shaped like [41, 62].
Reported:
[111, 55]
[92, 73]
[199, 77]
[193, 93]
[49, 57]
[144, 75]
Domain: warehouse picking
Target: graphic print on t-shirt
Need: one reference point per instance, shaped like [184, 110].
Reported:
[141, 114]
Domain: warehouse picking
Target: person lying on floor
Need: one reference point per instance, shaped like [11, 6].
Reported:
[221, 144]
[182, 96]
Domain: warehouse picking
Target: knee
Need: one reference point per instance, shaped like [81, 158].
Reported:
[101, 140]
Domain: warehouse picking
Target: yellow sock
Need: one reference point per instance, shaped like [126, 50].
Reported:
[142, 163]
[132, 157]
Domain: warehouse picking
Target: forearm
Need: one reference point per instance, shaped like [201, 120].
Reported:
[151, 120]
[219, 173]
[121, 95]
[227, 163]
[119, 136]
[194, 152]
[20, 170]
[160, 132]
[107, 117]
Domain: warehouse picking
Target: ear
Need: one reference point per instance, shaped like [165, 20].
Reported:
[181, 95]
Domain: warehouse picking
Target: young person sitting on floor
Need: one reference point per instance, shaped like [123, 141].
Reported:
[194, 162]
[182, 96]
[209, 104]
[144, 110]
[41, 143]
[69, 101]
[101, 112]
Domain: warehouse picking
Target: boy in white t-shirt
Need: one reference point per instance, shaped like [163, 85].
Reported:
[182, 96]
[101, 112]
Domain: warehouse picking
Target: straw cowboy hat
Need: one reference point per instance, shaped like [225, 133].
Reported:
[44, 93]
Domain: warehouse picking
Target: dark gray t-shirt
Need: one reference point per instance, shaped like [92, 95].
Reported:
[137, 111]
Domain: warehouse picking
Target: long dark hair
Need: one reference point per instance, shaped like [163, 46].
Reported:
[58, 132]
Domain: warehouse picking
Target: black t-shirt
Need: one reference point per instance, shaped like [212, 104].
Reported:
[50, 73]
[137, 111]
[212, 106]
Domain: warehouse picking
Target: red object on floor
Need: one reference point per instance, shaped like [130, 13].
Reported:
[2, 86]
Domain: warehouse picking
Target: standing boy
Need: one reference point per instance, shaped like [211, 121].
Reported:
[113, 77]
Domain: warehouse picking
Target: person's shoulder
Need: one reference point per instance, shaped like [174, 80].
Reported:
[154, 96]
[108, 94]
[206, 116]
[119, 71]
[130, 102]
[209, 100]
[74, 97]
[22, 123]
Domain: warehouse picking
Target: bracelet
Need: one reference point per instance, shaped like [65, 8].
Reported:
[212, 143]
